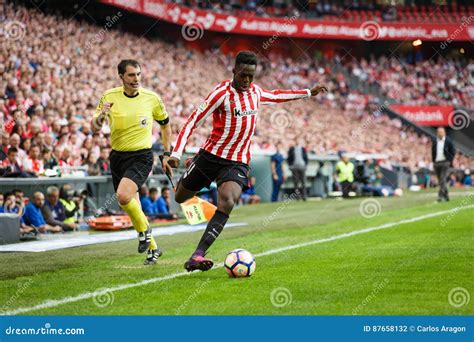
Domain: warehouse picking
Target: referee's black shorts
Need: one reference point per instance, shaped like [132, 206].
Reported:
[207, 167]
[135, 165]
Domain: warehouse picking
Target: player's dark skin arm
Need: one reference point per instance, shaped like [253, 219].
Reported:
[318, 89]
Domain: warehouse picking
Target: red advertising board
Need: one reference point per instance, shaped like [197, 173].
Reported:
[297, 27]
[425, 115]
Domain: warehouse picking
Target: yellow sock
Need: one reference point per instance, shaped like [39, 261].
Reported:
[153, 244]
[134, 210]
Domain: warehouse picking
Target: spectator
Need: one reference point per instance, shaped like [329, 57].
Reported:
[15, 142]
[467, 180]
[3, 146]
[345, 173]
[249, 196]
[11, 205]
[277, 172]
[19, 195]
[93, 168]
[103, 161]
[10, 166]
[2, 209]
[49, 161]
[298, 160]
[66, 197]
[33, 164]
[33, 216]
[54, 212]
[145, 201]
[162, 203]
[14, 204]
[442, 153]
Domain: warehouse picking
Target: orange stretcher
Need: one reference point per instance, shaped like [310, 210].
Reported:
[110, 222]
[117, 222]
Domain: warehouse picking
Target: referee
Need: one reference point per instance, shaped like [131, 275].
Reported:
[130, 111]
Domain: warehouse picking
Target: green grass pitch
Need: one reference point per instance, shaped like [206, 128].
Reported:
[410, 268]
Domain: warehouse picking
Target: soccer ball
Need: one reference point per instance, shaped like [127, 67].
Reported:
[398, 192]
[239, 263]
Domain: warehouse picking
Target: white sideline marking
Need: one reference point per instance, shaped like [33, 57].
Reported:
[56, 302]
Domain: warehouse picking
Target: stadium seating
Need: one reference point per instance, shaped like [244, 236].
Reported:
[56, 74]
[339, 10]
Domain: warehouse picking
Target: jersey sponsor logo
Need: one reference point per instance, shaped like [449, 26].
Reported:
[238, 112]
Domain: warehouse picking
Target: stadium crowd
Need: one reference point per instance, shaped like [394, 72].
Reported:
[54, 74]
[429, 82]
[338, 10]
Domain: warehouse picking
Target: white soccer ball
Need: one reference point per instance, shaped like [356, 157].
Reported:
[239, 263]
[398, 192]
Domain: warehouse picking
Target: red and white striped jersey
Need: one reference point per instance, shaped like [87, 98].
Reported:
[234, 119]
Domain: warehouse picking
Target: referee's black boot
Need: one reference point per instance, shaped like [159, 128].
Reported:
[144, 240]
[152, 256]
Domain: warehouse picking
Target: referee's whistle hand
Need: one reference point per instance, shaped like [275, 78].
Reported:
[106, 108]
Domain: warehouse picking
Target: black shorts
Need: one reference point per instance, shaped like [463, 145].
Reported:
[135, 165]
[206, 168]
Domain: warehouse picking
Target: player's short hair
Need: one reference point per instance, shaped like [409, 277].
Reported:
[12, 150]
[152, 190]
[165, 188]
[246, 57]
[122, 66]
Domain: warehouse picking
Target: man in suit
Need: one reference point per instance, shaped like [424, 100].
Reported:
[298, 160]
[442, 152]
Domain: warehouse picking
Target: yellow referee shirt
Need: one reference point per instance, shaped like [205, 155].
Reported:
[131, 118]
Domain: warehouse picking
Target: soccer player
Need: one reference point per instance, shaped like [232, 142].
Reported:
[130, 110]
[225, 155]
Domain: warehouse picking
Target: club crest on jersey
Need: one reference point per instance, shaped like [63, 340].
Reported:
[238, 112]
[143, 121]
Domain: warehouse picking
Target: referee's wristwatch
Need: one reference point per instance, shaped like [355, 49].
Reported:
[167, 154]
